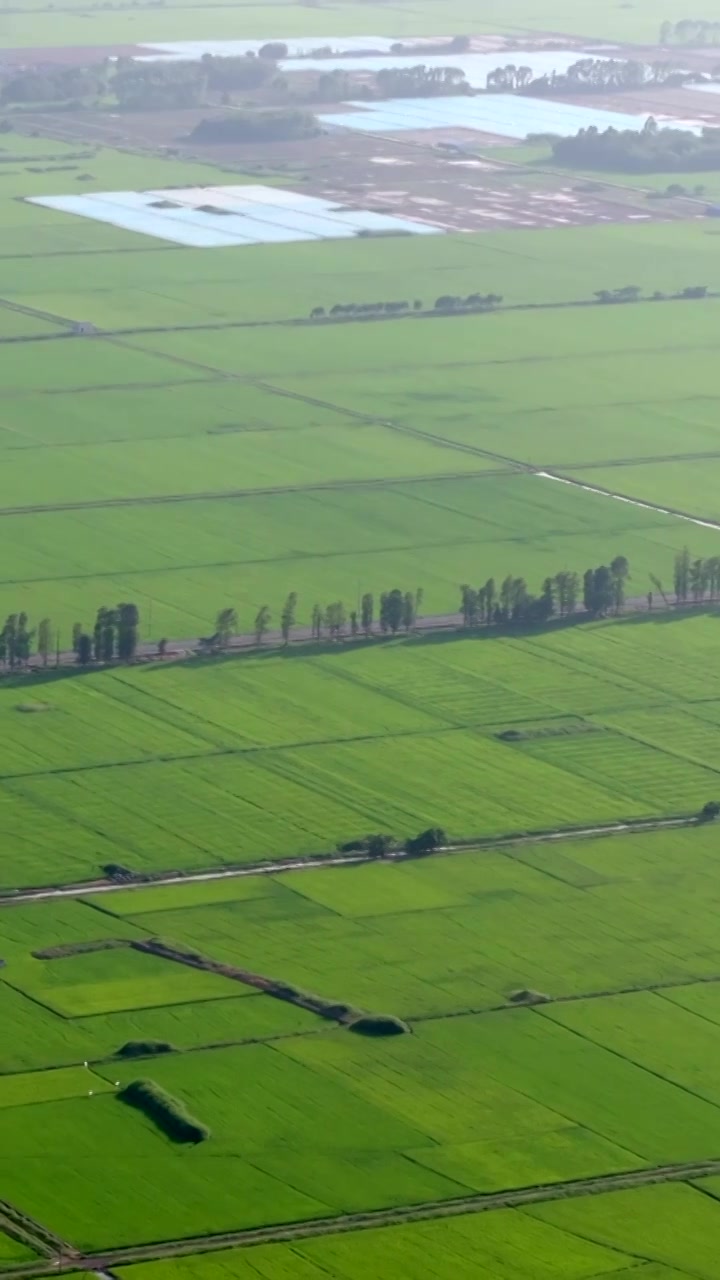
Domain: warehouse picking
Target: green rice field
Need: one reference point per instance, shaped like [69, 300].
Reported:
[173, 434]
[199, 764]
[613, 1075]
[659, 1233]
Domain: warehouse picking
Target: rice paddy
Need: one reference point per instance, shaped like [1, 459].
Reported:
[612, 1076]
[176, 432]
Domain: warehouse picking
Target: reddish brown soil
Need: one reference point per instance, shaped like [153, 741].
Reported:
[403, 176]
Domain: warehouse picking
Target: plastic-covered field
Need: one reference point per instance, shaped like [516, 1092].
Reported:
[504, 114]
[216, 217]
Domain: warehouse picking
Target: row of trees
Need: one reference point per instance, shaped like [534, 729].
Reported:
[398, 610]
[633, 293]
[507, 79]
[140, 86]
[365, 308]
[690, 31]
[599, 75]
[601, 589]
[489, 301]
[274, 124]
[18, 637]
[114, 635]
[696, 579]
[648, 150]
[473, 302]
[421, 82]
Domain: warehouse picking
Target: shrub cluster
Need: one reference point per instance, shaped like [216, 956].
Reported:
[272, 125]
[379, 1024]
[141, 1048]
[167, 1112]
[649, 150]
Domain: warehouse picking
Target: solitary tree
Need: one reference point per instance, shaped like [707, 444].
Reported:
[9, 639]
[392, 608]
[262, 623]
[76, 634]
[335, 618]
[226, 624]
[367, 613]
[546, 603]
[317, 622]
[620, 572]
[409, 613]
[104, 635]
[287, 617]
[23, 639]
[468, 605]
[44, 640]
[84, 649]
[128, 621]
[108, 635]
[598, 590]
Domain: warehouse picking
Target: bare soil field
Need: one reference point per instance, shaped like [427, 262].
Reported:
[404, 176]
[684, 104]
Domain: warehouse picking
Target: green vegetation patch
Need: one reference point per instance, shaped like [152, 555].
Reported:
[112, 981]
[655, 1233]
[28, 1089]
[165, 1111]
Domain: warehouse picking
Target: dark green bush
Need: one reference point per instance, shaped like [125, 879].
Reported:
[271, 125]
[527, 996]
[139, 1048]
[427, 841]
[167, 1112]
[379, 1024]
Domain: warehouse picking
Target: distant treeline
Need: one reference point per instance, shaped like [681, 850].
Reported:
[649, 150]
[397, 610]
[279, 124]
[589, 75]
[689, 32]
[603, 591]
[696, 579]
[163, 86]
[479, 302]
[115, 635]
[599, 591]
[473, 302]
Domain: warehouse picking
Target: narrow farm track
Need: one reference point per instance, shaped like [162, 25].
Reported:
[291, 322]
[20, 1226]
[373, 1219]
[482, 845]
[633, 502]
[95, 504]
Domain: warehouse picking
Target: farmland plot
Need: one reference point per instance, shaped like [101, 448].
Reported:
[428, 939]
[288, 755]
[510, 1244]
[326, 1116]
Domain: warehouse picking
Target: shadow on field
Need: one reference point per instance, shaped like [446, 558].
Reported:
[422, 639]
[41, 679]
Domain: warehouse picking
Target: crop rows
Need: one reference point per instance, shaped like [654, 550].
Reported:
[190, 766]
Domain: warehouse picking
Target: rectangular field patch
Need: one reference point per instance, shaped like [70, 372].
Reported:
[221, 217]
